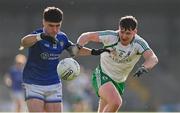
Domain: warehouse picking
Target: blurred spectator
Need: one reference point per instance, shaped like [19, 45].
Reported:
[13, 79]
[80, 90]
[137, 95]
[170, 107]
[80, 104]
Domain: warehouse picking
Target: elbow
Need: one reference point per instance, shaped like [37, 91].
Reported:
[156, 60]
[83, 39]
[24, 42]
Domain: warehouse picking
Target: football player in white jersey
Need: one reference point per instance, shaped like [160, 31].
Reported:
[126, 48]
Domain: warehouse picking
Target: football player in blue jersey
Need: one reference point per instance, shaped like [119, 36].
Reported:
[43, 88]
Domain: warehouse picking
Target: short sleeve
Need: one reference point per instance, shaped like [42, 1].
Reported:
[66, 40]
[142, 45]
[108, 37]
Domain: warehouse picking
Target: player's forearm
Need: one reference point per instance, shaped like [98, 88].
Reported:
[29, 40]
[84, 51]
[150, 62]
[87, 37]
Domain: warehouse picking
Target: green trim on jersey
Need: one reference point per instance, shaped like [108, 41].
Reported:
[141, 43]
[99, 78]
[145, 50]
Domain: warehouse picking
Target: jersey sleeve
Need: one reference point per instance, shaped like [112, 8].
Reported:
[67, 42]
[108, 37]
[142, 46]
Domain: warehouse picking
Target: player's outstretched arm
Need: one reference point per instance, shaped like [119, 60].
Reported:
[77, 50]
[85, 38]
[87, 51]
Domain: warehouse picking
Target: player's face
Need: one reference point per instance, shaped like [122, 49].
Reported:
[126, 36]
[51, 28]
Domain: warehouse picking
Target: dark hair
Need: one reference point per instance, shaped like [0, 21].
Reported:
[52, 14]
[128, 23]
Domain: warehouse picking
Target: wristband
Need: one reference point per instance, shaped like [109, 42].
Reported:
[147, 70]
[38, 37]
[94, 52]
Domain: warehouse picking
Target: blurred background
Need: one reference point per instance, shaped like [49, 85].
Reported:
[159, 25]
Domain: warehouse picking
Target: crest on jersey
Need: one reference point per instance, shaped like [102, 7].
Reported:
[44, 56]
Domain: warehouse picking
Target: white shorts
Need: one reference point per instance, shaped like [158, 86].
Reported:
[50, 93]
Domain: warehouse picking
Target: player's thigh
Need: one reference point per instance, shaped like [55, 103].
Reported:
[35, 105]
[32, 91]
[102, 105]
[53, 98]
[109, 93]
[53, 107]
[34, 97]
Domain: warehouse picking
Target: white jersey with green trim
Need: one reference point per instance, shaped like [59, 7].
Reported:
[120, 62]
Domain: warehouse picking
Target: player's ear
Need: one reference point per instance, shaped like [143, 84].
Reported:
[43, 22]
[135, 31]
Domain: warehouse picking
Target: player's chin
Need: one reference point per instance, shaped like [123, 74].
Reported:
[53, 34]
[125, 41]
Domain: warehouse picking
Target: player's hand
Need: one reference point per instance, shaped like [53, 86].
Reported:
[48, 38]
[141, 70]
[99, 51]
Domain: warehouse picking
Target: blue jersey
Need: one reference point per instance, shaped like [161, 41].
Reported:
[43, 58]
[16, 77]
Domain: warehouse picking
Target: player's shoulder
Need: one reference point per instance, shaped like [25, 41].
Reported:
[39, 30]
[108, 32]
[139, 41]
[62, 35]
[109, 37]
